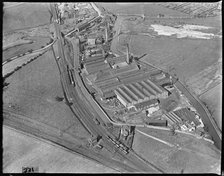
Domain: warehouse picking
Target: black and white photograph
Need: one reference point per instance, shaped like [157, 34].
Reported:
[112, 87]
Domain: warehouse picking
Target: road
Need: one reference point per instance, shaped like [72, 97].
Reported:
[96, 9]
[205, 115]
[64, 140]
[82, 111]
[33, 52]
[201, 109]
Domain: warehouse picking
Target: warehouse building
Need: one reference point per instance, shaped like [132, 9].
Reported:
[162, 123]
[131, 84]
[92, 68]
[187, 115]
[146, 104]
[139, 92]
[164, 82]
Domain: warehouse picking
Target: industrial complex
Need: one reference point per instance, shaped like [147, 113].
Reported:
[110, 95]
[127, 90]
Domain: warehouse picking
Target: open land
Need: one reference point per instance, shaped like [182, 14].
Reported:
[25, 30]
[21, 150]
[151, 10]
[22, 61]
[32, 92]
[36, 43]
[196, 62]
[26, 16]
[195, 155]
[212, 99]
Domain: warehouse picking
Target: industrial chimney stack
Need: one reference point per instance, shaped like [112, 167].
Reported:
[106, 34]
[127, 57]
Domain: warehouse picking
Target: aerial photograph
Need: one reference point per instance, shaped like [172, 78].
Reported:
[99, 87]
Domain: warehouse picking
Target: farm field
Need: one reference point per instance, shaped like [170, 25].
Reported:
[185, 57]
[21, 150]
[195, 156]
[16, 43]
[206, 79]
[149, 9]
[213, 99]
[35, 89]
[32, 92]
[26, 16]
[12, 65]
[20, 36]
[36, 43]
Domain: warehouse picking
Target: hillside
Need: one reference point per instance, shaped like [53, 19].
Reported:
[24, 16]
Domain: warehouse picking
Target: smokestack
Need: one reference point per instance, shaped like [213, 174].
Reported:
[106, 34]
[127, 57]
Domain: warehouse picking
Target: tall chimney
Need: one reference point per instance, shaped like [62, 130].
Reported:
[127, 55]
[106, 35]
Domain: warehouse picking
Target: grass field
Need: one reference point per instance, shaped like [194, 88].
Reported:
[16, 43]
[12, 65]
[25, 16]
[32, 91]
[20, 150]
[37, 43]
[203, 158]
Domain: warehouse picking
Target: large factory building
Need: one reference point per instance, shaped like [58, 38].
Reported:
[119, 77]
[138, 92]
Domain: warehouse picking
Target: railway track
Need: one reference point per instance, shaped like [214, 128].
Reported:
[82, 111]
